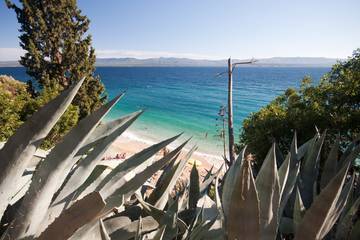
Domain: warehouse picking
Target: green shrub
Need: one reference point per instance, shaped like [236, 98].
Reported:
[17, 105]
[65, 123]
[13, 98]
[332, 104]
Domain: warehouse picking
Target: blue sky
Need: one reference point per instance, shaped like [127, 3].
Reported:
[211, 28]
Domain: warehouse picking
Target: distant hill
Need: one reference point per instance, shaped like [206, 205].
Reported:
[9, 64]
[186, 62]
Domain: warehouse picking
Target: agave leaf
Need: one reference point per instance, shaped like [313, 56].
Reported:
[128, 231]
[284, 172]
[310, 171]
[113, 223]
[105, 129]
[23, 186]
[355, 232]
[320, 210]
[73, 218]
[97, 136]
[244, 204]
[229, 181]
[345, 225]
[208, 173]
[292, 177]
[268, 187]
[51, 173]
[160, 194]
[99, 173]
[330, 166]
[183, 200]
[57, 208]
[198, 217]
[20, 147]
[165, 178]
[85, 167]
[286, 226]
[125, 188]
[206, 183]
[168, 168]
[340, 205]
[160, 233]
[171, 217]
[194, 190]
[202, 229]
[279, 156]
[299, 210]
[138, 234]
[90, 231]
[103, 233]
[304, 149]
[162, 217]
[210, 210]
[215, 234]
[218, 203]
[128, 165]
[173, 206]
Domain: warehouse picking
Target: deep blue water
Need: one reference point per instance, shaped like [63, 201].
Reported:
[187, 99]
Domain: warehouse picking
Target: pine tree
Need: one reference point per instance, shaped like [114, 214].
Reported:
[58, 49]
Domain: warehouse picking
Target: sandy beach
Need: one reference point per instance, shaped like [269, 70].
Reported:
[128, 144]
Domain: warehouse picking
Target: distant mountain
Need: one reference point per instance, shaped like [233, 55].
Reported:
[158, 62]
[9, 64]
[186, 62]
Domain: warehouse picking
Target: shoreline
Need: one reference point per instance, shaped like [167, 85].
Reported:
[130, 143]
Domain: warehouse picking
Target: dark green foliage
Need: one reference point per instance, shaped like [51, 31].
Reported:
[17, 104]
[67, 121]
[57, 52]
[332, 104]
[13, 98]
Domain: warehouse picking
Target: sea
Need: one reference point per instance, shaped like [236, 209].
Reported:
[187, 99]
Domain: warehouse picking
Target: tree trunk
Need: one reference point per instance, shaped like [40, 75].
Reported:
[230, 116]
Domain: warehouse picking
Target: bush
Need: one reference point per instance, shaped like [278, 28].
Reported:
[13, 98]
[332, 104]
[16, 105]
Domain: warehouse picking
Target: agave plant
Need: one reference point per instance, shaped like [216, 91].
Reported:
[70, 189]
[288, 199]
[69, 193]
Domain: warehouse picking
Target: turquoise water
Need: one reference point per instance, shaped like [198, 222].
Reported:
[185, 99]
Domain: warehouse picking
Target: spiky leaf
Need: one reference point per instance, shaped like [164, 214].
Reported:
[160, 194]
[73, 218]
[268, 188]
[310, 170]
[244, 204]
[317, 215]
[51, 174]
[194, 190]
[229, 181]
[20, 148]
[330, 168]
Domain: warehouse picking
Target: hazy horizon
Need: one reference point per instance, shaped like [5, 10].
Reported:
[215, 30]
[16, 53]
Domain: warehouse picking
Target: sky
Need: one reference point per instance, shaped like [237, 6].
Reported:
[211, 29]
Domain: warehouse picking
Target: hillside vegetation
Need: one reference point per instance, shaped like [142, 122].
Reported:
[333, 104]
